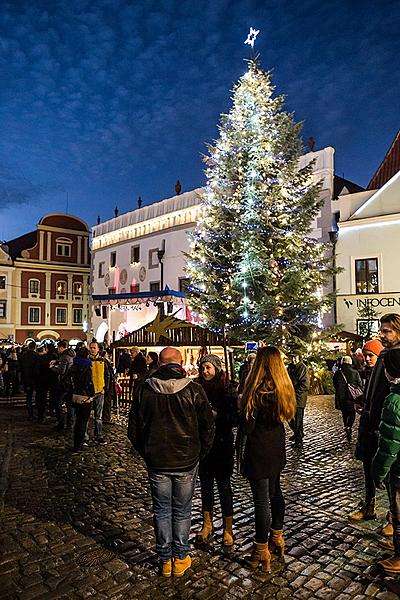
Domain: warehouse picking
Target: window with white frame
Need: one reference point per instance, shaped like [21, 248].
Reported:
[3, 282]
[77, 316]
[61, 316]
[63, 247]
[3, 309]
[113, 259]
[61, 289]
[78, 289]
[367, 280]
[135, 288]
[101, 269]
[104, 311]
[34, 287]
[34, 314]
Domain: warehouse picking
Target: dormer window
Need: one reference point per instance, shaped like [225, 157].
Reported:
[63, 247]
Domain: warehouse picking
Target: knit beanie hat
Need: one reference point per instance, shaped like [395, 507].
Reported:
[214, 360]
[346, 360]
[391, 360]
[373, 346]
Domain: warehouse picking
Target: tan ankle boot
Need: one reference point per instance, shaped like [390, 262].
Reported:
[260, 555]
[227, 539]
[276, 542]
[207, 531]
[367, 512]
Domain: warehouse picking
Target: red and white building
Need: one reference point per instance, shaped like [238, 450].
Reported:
[46, 282]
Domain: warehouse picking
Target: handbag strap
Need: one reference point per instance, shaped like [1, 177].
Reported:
[344, 377]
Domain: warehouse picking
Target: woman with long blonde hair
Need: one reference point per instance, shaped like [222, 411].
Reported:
[268, 402]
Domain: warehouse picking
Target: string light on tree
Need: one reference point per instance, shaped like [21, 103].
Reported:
[252, 248]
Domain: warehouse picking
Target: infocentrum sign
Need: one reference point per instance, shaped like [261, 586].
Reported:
[374, 302]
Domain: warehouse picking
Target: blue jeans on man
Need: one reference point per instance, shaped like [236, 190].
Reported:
[98, 403]
[172, 495]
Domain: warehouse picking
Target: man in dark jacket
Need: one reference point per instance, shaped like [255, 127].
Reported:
[367, 441]
[298, 373]
[60, 367]
[28, 366]
[137, 369]
[171, 425]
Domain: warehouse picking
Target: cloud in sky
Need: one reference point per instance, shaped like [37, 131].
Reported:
[108, 99]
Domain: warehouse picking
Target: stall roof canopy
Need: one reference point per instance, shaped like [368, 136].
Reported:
[170, 331]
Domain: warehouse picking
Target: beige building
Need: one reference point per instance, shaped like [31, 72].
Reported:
[368, 250]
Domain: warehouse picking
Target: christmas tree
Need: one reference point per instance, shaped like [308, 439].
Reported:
[255, 271]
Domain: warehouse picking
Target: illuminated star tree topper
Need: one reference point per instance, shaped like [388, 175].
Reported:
[251, 38]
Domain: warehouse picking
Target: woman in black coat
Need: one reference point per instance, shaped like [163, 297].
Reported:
[344, 375]
[218, 464]
[268, 402]
[83, 391]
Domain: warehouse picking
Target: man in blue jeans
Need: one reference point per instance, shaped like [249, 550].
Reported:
[171, 425]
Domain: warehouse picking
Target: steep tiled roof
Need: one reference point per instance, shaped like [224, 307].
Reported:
[388, 167]
[340, 184]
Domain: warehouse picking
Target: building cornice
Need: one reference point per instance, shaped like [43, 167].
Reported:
[370, 221]
[140, 237]
[49, 267]
[80, 232]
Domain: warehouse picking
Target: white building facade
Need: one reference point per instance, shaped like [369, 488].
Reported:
[368, 250]
[142, 252]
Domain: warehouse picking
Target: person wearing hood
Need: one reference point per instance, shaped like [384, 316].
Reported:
[83, 392]
[217, 466]
[171, 425]
[344, 375]
[61, 367]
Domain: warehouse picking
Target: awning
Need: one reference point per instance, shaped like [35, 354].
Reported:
[133, 298]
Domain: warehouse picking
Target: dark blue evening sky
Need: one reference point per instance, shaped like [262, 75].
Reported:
[105, 100]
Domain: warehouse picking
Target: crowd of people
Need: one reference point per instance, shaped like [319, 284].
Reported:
[183, 428]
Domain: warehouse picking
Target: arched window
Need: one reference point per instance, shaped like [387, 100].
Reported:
[78, 289]
[61, 289]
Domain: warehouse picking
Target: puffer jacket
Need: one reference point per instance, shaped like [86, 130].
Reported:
[387, 457]
[171, 423]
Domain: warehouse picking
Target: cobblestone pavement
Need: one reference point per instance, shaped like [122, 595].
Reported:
[80, 526]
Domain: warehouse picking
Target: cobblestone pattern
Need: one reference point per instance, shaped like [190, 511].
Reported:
[80, 526]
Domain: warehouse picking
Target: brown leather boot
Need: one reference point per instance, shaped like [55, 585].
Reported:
[387, 530]
[366, 512]
[276, 543]
[259, 555]
[391, 565]
[227, 539]
[207, 531]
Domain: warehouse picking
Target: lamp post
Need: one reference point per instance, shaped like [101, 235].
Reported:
[160, 256]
